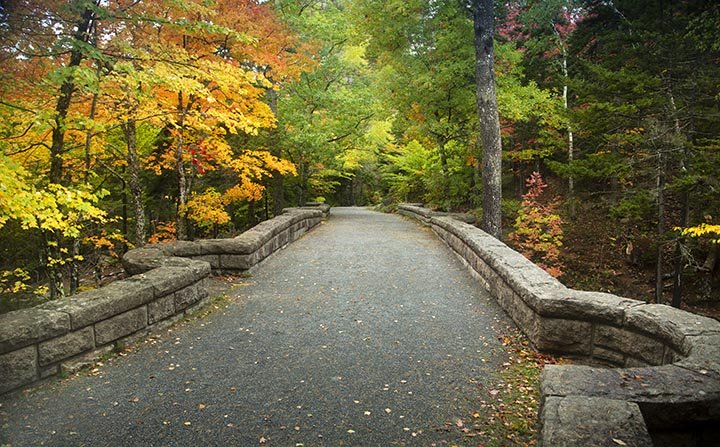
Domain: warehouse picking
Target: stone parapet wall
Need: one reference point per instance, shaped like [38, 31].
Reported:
[59, 337]
[657, 367]
[234, 254]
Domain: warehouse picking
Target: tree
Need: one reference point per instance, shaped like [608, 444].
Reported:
[93, 89]
[538, 232]
[483, 17]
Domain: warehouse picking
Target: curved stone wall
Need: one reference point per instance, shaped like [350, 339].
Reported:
[168, 283]
[651, 373]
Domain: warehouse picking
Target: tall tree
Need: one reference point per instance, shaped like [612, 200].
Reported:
[483, 18]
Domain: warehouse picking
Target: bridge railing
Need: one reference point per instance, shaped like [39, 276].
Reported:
[168, 283]
[648, 374]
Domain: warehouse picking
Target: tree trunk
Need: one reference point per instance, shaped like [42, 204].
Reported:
[75, 266]
[660, 191]
[52, 258]
[57, 149]
[712, 259]
[278, 191]
[304, 183]
[446, 176]
[252, 214]
[570, 147]
[483, 17]
[181, 230]
[684, 202]
[130, 134]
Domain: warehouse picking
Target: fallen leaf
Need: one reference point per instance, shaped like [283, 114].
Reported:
[388, 411]
[619, 441]
[187, 423]
[351, 431]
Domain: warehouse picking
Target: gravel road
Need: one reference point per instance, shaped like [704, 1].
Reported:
[367, 331]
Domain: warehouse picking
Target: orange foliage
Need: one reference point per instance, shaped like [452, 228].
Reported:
[164, 232]
[538, 231]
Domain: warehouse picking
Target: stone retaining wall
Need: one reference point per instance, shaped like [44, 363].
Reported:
[61, 336]
[650, 373]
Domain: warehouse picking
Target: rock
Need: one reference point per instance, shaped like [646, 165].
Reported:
[592, 422]
[161, 309]
[28, 326]
[120, 325]
[66, 346]
[89, 307]
[18, 368]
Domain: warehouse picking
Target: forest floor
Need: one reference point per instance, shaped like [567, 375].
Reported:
[595, 260]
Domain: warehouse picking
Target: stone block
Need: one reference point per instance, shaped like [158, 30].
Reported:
[565, 336]
[66, 346]
[29, 326]
[120, 325]
[632, 362]
[671, 356]
[534, 285]
[592, 422]
[668, 395]
[18, 368]
[166, 323]
[161, 309]
[188, 296]
[96, 305]
[236, 262]
[49, 371]
[213, 260]
[75, 364]
[632, 344]
[141, 260]
[669, 324]
[521, 314]
[166, 280]
[588, 306]
[703, 353]
[609, 356]
[198, 306]
[183, 248]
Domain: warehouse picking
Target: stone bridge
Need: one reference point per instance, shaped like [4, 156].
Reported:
[644, 374]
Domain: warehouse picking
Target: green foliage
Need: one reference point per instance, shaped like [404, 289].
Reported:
[637, 205]
[406, 171]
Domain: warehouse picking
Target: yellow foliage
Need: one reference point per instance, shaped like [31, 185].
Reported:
[207, 209]
[111, 243]
[53, 208]
[703, 230]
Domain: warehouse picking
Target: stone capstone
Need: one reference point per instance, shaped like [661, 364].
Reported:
[28, 326]
[89, 307]
[575, 421]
